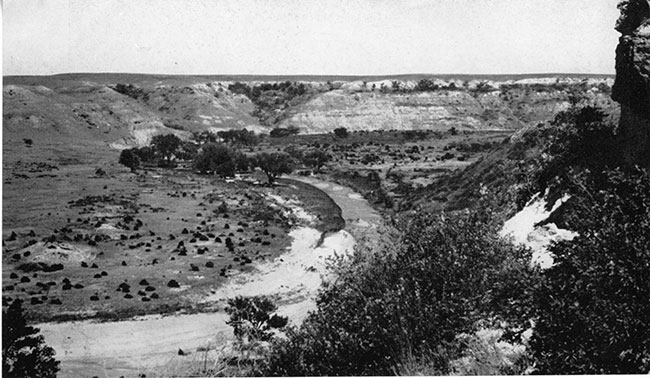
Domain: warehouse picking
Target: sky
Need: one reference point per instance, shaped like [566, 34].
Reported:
[319, 37]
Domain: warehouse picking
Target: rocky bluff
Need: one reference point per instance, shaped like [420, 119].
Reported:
[632, 86]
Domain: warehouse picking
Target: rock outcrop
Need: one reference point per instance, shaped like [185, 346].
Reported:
[632, 86]
[487, 105]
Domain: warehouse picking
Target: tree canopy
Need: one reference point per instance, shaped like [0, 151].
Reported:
[216, 158]
[316, 158]
[24, 353]
[274, 164]
[129, 159]
[166, 145]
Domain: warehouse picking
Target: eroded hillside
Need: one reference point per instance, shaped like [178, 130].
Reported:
[125, 110]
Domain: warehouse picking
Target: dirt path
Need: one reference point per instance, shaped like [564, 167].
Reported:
[142, 345]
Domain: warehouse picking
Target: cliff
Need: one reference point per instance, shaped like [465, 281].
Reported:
[464, 105]
[632, 86]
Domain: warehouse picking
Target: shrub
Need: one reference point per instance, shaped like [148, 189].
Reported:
[426, 85]
[593, 312]
[252, 319]
[24, 353]
[438, 281]
[240, 88]
[131, 91]
[341, 132]
[295, 152]
[579, 138]
[316, 159]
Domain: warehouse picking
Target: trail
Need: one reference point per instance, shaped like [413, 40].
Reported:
[141, 345]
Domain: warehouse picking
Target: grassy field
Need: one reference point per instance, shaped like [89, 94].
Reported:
[135, 244]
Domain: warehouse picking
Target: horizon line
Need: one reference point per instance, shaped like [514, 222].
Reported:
[314, 75]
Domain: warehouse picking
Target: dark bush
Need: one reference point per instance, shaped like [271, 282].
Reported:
[129, 159]
[280, 132]
[24, 353]
[593, 312]
[252, 318]
[415, 298]
[341, 132]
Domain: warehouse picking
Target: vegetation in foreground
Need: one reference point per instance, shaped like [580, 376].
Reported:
[24, 353]
[450, 293]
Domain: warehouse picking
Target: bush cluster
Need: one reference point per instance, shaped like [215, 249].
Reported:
[447, 272]
[593, 309]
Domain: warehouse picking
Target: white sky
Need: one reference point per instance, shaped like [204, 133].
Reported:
[338, 37]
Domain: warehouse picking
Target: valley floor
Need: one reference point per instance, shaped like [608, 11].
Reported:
[150, 344]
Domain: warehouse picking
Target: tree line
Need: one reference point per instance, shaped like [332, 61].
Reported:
[221, 154]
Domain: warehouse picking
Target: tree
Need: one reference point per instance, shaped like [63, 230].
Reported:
[239, 137]
[166, 145]
[216, 158]
[426, 85]
[341, 132]
[242, 162]
[129, 159]
[204, 137]
[24, 353]
[274, 164]
[295, 152]
[187, 150]
[147, 154]
[280, 132]
[316, 159]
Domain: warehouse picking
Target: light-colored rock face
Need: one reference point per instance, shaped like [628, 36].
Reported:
[356, 107]
[632, 86]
